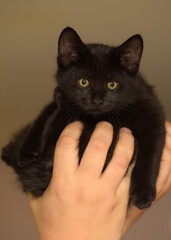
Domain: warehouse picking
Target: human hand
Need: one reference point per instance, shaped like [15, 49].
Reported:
[163, 184]
[80, 201]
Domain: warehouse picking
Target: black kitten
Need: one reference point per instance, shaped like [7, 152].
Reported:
[95, 83]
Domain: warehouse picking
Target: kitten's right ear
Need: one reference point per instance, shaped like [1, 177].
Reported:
[70, 47]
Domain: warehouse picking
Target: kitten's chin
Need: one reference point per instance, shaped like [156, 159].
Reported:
[94, 112]
[97, 112]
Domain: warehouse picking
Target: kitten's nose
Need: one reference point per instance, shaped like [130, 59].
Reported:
[97, 100]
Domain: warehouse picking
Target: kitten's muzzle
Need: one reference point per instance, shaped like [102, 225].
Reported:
[97, 101]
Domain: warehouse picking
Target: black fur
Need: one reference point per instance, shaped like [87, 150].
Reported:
[131, 104]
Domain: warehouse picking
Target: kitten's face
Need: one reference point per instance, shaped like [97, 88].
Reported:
[92, 77]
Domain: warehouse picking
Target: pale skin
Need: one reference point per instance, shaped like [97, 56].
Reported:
[81, 203]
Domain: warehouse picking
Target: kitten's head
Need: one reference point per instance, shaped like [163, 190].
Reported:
[95, 77]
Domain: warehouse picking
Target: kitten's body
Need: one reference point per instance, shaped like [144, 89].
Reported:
[132, 104]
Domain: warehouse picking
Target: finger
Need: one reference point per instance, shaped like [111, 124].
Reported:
[168, 127]
[164, 178]
[120, 161]
[165, 167]
[168, 141]
[166, 156]
[124, 186]
[66, 152]
[95, 154]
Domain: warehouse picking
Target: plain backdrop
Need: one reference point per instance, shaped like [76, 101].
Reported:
[29, 31]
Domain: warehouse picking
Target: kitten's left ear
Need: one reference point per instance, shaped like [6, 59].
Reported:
[130, 53]
[70, 47]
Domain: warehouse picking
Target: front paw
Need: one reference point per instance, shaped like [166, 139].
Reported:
[27, 155]
[142, 195]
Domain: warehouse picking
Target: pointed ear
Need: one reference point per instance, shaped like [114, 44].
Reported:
[130, 53]
[70, 47]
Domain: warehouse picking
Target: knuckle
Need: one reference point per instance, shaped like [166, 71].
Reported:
[65, 140]
[166, 156]
[98, 144]
[58, 189]
[61, 187]
[122, 160]
[168, 127]
[168, 142]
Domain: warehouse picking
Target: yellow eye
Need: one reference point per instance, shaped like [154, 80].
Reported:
[83, 82]
[112, 85]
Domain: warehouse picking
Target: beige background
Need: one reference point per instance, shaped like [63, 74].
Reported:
[29, 32]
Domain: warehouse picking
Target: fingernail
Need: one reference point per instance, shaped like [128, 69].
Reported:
[124, 129]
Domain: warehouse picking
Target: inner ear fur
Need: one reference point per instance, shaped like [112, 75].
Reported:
[130, 53]
[70, 47]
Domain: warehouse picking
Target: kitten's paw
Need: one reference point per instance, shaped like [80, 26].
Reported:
[5, 155]
[26, 156]
[142, 197]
